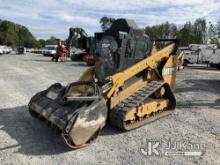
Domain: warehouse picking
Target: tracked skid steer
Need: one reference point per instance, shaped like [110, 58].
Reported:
[131, 84]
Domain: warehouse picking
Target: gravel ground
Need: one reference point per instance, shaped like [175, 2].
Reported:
[194, 126]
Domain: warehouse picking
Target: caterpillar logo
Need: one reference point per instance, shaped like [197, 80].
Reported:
[168, 71]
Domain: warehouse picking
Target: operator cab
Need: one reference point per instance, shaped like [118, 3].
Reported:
[119, 47]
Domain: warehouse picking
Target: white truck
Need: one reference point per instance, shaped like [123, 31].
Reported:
[50, 50]
[8, 49]
[5, 49]
[191, 57]
[215, 59]
[199, 53]
[1, 51]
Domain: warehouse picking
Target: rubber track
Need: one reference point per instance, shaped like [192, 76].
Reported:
[118, 113]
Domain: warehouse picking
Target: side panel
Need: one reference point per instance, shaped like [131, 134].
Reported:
[169, 72]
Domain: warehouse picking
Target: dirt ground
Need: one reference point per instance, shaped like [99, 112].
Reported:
[195, 124]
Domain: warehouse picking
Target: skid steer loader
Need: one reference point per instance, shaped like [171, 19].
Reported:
[130, 85]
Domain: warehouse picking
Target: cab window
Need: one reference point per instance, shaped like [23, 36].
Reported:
[140, 49]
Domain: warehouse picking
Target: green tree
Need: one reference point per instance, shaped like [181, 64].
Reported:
[186, 34]
[189, 33]
[199, 30]
[8, 33]
[218, 28]
[162, 31]
[212, 31]
[14, 35]
[42, 42]
[173, 30]
[52, 41]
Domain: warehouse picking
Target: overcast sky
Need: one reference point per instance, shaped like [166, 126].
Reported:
[47, 18]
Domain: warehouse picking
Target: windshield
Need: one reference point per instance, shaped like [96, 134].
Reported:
[51, 48]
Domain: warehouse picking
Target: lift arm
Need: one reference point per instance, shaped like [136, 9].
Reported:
[119, 79]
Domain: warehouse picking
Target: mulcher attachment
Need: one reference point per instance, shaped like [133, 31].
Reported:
[77, 111]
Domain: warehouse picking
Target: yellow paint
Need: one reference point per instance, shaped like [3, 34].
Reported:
[119, 79]
[146, 108]
[169, 72]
